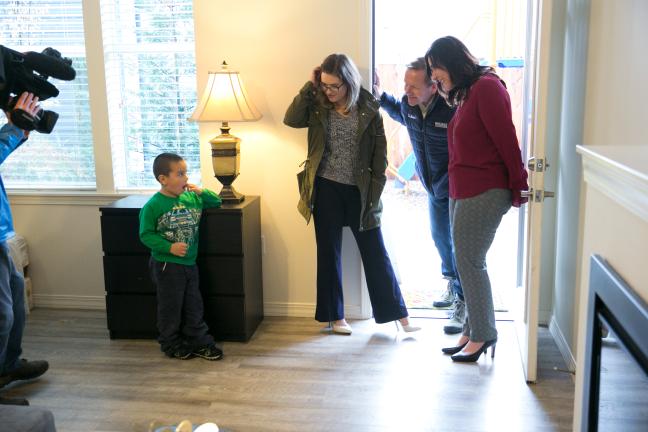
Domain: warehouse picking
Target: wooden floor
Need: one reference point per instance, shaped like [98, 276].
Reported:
[291, 377]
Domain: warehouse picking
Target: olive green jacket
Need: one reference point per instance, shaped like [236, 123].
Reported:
[307, 111]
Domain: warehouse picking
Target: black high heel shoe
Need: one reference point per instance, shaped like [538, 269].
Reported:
[454, 349]
[467, 358]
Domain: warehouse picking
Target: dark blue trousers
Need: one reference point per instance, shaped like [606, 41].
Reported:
[439, 209]
[179, 306]
[338, 205]
[12, 311]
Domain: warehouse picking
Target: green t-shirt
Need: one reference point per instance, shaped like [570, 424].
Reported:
[165, 220]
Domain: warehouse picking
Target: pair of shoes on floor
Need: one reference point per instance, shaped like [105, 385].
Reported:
[26, 370]
[13, 401]
[447, 298]
[457, 318]
[469, 358]
[209, 352]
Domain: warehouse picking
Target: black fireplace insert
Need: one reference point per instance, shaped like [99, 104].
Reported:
[616, 354]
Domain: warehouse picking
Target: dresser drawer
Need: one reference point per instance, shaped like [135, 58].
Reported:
[132, 315]
[127, 274]
[220, 233]
[223, 317]
[120, 234]
[221, 275]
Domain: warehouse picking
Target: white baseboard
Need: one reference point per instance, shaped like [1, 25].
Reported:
[563, 347]
[282, 309]
[70, 302]
[305, 310]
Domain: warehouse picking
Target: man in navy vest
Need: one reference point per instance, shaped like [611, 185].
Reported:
[426, 115]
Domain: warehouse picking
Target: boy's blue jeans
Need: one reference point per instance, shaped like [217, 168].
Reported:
[12, 311]
[180, 306]
[440, 227]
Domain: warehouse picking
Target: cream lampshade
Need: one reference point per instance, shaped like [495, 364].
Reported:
[225, 99]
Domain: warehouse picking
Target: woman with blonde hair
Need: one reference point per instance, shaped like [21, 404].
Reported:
[341, 185]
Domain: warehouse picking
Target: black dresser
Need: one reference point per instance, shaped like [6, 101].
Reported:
[229, 259]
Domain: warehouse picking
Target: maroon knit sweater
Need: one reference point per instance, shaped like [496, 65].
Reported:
[483, 148]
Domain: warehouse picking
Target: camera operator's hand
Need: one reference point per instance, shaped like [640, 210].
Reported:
[28, 103]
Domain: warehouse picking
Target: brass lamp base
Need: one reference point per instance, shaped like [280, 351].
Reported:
[225, 161]
[228, 194]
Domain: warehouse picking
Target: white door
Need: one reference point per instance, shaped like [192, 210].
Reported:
[534, 136]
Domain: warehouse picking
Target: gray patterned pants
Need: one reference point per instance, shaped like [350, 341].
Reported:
[474, 222]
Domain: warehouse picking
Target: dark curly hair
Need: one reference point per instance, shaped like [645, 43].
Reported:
[450, 54]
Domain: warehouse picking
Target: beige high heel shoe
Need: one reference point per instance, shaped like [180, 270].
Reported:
[407, 328]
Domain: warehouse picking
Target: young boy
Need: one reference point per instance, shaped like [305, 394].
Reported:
[169, 227]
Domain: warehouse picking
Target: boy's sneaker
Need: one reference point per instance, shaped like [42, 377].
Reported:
[209, 352]
[447, 298]
[26, 370]
[181, 352]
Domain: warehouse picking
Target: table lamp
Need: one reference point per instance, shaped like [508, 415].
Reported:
[225, 100]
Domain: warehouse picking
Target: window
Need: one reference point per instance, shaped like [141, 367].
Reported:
[64, 158]
[151, 85]
[150, 80]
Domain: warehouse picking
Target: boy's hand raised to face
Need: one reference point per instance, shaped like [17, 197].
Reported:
[193, 188]
[179, 249]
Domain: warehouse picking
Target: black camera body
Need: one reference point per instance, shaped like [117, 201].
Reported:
[29, 72]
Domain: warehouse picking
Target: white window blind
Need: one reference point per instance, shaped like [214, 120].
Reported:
[64, 158]
[151, 86]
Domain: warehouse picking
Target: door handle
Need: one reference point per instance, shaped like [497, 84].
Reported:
[537, 165]
[537, 195]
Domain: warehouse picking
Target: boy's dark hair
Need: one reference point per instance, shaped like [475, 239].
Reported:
[162, 164]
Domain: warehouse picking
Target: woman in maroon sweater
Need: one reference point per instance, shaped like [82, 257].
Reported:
[486, 176]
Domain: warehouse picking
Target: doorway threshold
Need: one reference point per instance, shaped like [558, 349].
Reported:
[443, 314]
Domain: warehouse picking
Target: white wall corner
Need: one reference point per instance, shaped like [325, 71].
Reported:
[562, 344]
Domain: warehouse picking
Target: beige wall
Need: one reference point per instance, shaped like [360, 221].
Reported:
[274, 44]
[617, 88]
[615, 110]
[615, 115]
[64, 242]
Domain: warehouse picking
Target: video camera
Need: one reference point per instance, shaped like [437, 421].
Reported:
[28, 72]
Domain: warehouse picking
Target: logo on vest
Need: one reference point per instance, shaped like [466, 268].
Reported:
[441, 125]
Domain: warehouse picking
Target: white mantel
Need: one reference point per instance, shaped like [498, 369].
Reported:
[620, 172]
[614, 211]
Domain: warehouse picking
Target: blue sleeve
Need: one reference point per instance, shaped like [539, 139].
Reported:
[10, 139]
[392, 106]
